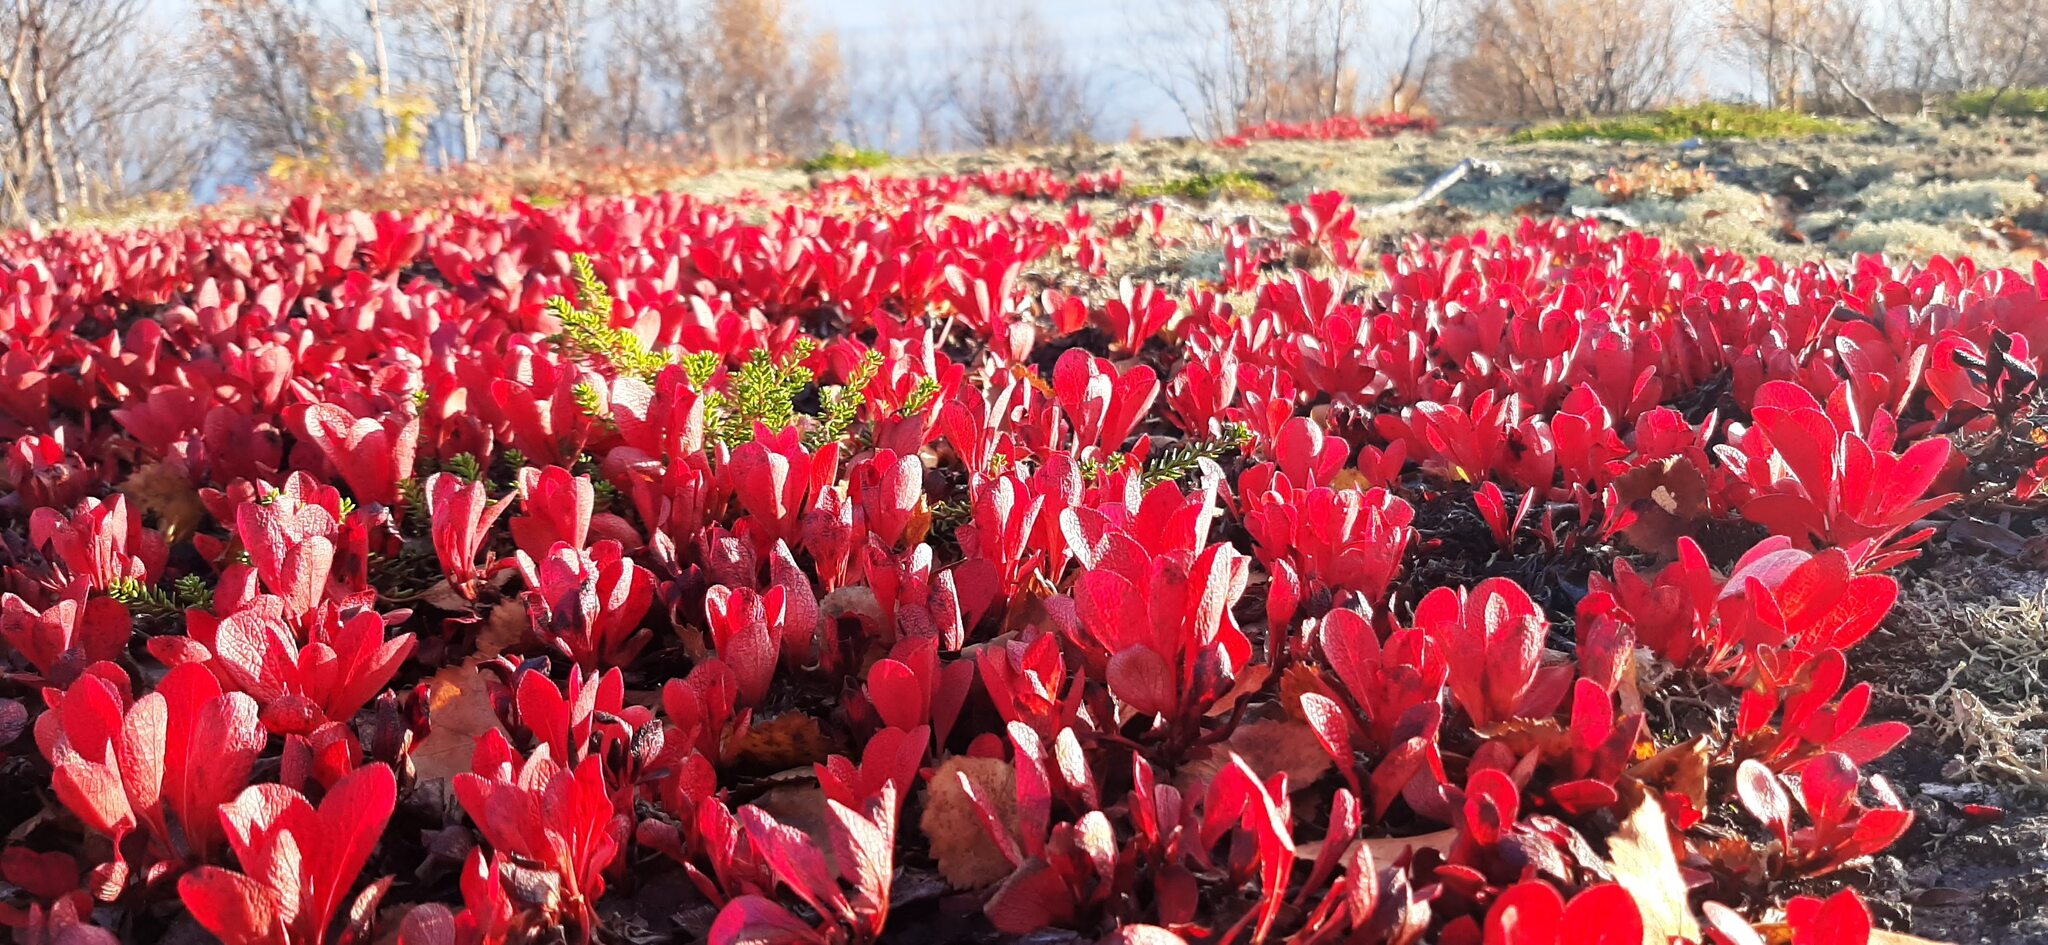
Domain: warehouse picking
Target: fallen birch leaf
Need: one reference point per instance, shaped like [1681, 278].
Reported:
[967, 857]
[1268, 747]
[1646, 866]
[459, 711]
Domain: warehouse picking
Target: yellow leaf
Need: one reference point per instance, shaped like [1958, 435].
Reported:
[1646, 866]
[920, 524]
[1778, 933]
[1350, 478]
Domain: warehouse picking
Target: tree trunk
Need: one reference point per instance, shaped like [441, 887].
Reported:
[373, 10]
[466, 104]
[25, 152]
[543, 132]
[47, 132]
[17, 202]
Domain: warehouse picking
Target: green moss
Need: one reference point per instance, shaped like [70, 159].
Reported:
[1707, 120]
[1206, 186]
[2010, 103]
[841, 158]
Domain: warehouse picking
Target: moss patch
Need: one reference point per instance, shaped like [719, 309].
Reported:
[2007, 103]
[1236, 185]
[1708, 121]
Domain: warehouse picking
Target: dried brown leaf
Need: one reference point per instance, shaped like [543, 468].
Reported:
[1386, 850]
[1979, 535]
[1680, 769]
[1297, 680]
[1669, 498]
[505, 629]
[168, 496]
[800, 807]
[459, 710]
[1250, 681]
[1268, 747]
[967, 857]
[789, 740]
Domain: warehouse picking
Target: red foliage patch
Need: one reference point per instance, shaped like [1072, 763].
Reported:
[1339, 128]
[1334, 619]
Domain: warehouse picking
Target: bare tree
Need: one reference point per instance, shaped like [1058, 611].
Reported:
[1011, 84]
[462, 44]
[48, 43]
[1406, 76]
[1963, 45]
[818, 97]
[1227, 64]
[1326, 63]
[621, 113]
[655, 72]
[279, 82]
[1206, 56]
[77, 99]
[543, 57]
[768, 88]
[1767, 37]
[929, 101]
[1843, 60]
[373, 19]
[1558, 58]
[136, 136]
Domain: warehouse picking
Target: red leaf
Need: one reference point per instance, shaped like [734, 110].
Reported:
[1143, 680]
[1033, 898]
[1840, 920]
[796, 860]
[1605, 915]
[230, 905]
[1530, 913]
[1764, 798]
[752, 920]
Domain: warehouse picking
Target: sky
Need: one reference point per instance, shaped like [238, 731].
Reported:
[1096, 33]
[876, 18]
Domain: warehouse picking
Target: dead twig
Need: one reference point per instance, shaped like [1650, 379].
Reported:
[1842, 82]
[1614, 215]
[1465, 168]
